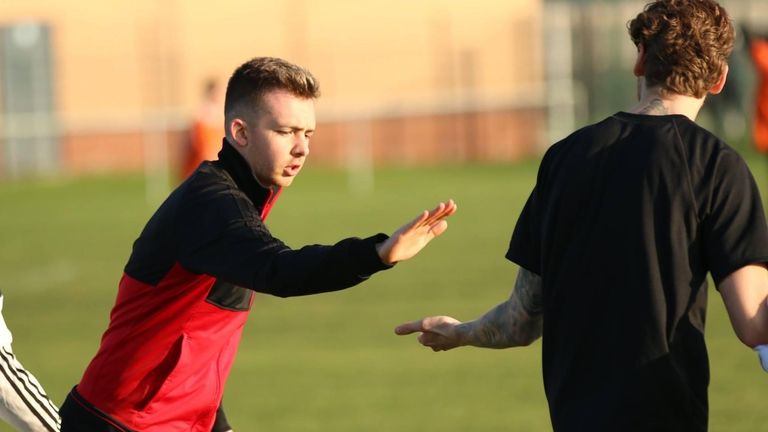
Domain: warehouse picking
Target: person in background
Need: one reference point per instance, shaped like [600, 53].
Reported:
[757, 44]
[204, 137]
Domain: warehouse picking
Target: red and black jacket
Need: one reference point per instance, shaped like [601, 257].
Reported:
[186, 292]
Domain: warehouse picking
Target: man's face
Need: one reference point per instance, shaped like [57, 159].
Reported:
[276, 137]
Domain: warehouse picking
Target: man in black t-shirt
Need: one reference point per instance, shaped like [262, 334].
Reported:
[614, 244]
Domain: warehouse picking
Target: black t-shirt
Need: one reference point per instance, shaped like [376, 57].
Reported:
[626, 219]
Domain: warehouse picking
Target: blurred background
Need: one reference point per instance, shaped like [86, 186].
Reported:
[114, 86]
[101, 102]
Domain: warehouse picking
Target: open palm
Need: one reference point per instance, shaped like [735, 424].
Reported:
[409, 239]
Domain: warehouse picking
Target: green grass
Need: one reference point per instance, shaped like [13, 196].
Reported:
[330, 362]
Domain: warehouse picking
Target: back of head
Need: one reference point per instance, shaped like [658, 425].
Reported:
[261, 75]
[686, 42]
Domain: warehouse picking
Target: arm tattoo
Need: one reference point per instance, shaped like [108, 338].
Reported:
[654, 107]
[528, 290]
[516, 322]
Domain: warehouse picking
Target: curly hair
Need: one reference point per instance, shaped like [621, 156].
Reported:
[260, 75]
[686, 42]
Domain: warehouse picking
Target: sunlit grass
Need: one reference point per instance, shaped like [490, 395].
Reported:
[330, 362]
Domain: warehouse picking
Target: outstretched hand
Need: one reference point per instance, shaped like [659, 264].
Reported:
[413, 236]
[437, 332]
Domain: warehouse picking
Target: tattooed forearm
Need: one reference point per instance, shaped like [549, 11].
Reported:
[654, 107]
[517, 321]
[528, 291]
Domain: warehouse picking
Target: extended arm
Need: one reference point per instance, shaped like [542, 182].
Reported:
[744, 293]
[246, 254]
[515, 322]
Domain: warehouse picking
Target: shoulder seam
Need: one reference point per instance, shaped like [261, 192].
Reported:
[688, 174]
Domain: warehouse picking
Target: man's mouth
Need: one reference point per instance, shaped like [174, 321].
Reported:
[292, 170]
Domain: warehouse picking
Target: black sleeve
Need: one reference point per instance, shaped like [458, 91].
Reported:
[734, 229]
[224, 237]
[525, 244]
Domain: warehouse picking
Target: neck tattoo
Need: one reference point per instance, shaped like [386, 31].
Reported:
[654, 107]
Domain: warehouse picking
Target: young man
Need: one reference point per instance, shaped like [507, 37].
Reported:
[614, 244]
[190, 281]
[23, 402]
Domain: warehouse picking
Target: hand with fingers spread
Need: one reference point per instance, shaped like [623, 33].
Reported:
[413, 236]
[440, 333]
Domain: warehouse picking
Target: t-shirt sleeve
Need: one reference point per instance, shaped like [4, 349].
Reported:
[525, 245]
[734, 229]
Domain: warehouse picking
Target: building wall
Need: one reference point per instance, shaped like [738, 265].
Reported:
[123, 68]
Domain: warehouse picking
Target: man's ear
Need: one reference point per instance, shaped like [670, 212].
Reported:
[639, 69]
[239, 131]
[718, 87]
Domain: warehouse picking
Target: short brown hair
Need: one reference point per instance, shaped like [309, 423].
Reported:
[260, 75]
[686, 42]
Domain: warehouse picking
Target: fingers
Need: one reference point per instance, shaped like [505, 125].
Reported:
[434, 332]
[434, 342]
[410, 327]
[439, 227]
[440, 212]
[429, 218]
[430, 324]
[420, 219]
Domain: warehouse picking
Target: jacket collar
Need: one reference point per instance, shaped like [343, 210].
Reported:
[237, 167]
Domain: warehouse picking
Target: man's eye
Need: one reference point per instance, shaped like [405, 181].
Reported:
[283, 132]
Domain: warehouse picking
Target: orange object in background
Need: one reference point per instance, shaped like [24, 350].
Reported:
[759, 52]
[206, 133]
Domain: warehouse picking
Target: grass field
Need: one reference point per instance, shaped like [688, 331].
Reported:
[330, 362]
